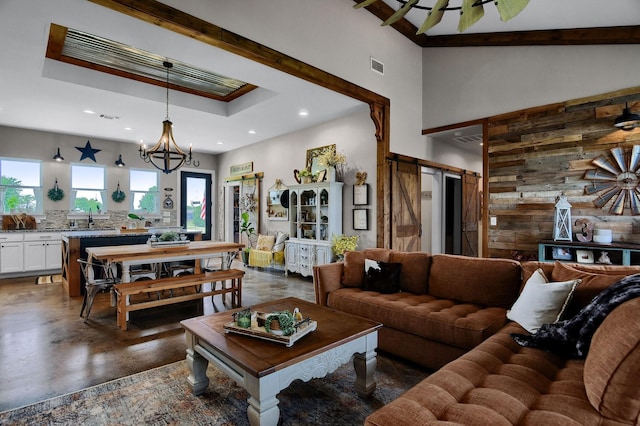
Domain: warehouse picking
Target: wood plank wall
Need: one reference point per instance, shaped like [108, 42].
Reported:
[535, 155]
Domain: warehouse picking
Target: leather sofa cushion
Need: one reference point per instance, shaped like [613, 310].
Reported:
[612, 366]
[488, 282]
[446, 321]
[497, 383]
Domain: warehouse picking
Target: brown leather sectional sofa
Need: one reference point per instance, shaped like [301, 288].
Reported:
[450, 315]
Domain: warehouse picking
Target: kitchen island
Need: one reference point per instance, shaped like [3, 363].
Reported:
[74, 244]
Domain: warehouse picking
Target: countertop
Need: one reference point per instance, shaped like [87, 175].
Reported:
[75, 233]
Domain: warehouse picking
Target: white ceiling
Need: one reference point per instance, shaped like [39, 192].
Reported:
[43, 94]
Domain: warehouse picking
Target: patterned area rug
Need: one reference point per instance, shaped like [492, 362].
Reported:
[163, 396]
[49, 279]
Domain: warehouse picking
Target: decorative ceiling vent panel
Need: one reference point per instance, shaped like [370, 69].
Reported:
[93, 52]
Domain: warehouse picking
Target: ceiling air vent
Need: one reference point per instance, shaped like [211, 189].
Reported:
[109, 117]
[377, 66]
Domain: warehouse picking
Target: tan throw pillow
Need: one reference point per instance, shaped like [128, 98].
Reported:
[541, 302]
[265, 242]
[591, 285]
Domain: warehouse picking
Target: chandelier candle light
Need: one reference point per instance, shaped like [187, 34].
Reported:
[166, 155]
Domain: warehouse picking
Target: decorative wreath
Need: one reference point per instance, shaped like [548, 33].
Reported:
[118, 196]
[55, 193]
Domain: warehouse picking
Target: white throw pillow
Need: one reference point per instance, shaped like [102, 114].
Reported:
[541, 302]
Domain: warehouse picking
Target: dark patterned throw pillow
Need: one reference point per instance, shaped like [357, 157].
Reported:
[383, 277]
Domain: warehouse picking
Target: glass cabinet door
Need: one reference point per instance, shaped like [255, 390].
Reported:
[308, 214]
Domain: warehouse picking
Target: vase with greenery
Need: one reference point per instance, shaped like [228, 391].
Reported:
[334, 161]
[306, 176]
[247, 229]
[341, 243]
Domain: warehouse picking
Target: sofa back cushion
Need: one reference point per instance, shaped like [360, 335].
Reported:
[488, 282]
[612, 366]
[414, 275]
[353, 269]
[593, 282]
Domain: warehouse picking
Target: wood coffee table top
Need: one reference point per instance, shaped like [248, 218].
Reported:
[260, 357]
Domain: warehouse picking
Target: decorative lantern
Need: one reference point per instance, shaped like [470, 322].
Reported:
[562, 220]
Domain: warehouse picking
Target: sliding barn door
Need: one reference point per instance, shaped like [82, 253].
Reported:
[470, 214]
[405, 201]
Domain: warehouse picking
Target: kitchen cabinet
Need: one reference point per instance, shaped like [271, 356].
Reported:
[11, 253]
[42, 251]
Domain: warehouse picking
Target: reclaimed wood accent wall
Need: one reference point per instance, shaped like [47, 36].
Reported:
[537, 154]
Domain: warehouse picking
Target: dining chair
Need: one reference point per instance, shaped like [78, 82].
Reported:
[98, 276]
[225, 263]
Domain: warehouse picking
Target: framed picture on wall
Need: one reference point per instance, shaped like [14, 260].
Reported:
[361, 194]
[360, 219]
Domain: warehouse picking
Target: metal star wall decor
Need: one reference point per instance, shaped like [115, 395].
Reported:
[88, 152]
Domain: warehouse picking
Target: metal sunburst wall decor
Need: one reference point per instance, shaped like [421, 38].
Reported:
[616, 178]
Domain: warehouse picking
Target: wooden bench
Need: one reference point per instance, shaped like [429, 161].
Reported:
[125, 290]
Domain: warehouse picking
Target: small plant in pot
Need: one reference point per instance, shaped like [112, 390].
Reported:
[246, 228]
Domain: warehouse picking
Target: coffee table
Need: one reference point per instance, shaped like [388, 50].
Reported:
[264, 368]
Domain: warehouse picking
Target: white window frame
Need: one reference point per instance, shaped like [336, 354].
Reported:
[37, 190]
[74, 191]
[132, 193]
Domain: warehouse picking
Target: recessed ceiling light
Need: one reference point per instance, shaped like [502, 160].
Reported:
[252, 132]
[128, 128]
[303, 113]
[88, 111]
[220, 143]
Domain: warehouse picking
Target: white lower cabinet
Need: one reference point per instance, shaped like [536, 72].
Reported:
[11, 253]
[302, 255]
[30, 252]
[42, 251]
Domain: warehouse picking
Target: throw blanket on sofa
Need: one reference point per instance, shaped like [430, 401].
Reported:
[572, 337]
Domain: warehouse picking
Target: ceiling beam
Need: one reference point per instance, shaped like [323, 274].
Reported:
[567, 37]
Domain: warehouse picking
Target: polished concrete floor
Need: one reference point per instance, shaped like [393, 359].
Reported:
[46, 349]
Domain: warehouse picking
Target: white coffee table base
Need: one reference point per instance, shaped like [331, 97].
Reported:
[263, 404]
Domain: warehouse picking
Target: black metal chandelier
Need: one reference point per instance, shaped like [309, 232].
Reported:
[470, 11]
[166, 155]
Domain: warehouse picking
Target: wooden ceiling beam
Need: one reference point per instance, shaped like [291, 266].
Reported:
[567, 37]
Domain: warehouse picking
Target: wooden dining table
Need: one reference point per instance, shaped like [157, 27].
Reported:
[138, 254]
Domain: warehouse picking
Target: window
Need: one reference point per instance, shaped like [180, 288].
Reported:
[21, 186]
[143, 185]
[88, 188]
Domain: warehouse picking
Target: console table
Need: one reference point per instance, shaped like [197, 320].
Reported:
[619, 253]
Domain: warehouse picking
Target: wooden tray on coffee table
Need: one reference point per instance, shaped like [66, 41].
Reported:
[261, 333]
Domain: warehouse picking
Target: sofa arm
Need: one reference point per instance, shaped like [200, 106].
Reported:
[326, 278]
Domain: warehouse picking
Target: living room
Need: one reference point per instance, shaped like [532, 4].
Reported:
[511, 81]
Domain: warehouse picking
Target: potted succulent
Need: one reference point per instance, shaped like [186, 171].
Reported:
[248, 230]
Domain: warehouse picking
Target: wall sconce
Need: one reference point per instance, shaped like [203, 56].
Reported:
[119, 161]
[58, 157]
[628, 120]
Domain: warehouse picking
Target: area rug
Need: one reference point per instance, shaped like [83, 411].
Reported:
[163, 396]
[49, 279]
